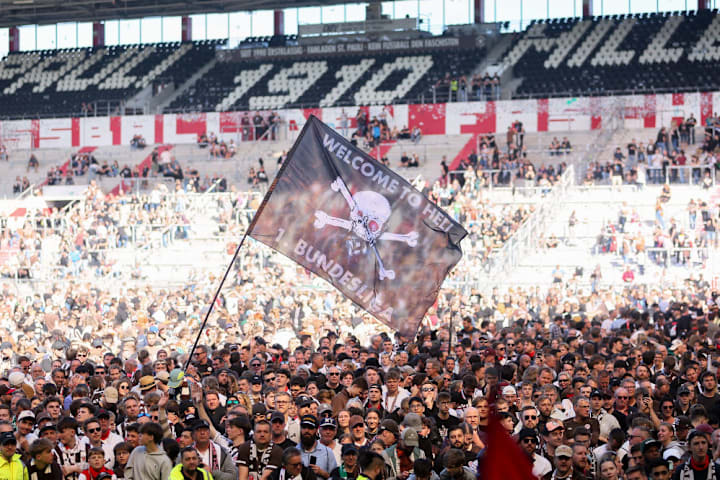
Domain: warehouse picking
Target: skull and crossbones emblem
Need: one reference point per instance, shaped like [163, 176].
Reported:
[369, 212]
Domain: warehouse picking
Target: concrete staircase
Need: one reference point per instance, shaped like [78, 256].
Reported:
[160, 106]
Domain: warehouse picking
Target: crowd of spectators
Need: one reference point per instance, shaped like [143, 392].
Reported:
[218, 148]
[461, 89]
[672, 157]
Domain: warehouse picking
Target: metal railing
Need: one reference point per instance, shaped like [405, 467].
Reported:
[525, 239]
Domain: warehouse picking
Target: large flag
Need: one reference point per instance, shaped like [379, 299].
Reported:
[357, 224]
[503, 459]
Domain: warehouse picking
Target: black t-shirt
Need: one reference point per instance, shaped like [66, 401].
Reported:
[255, 463]
[445, 425]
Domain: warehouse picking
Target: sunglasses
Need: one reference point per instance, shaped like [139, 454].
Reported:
[254, 364]
[143, 415]
[622, 397]
[528, 440]
[93, 430]
[334, 374]
[531, 417]
[233, 402]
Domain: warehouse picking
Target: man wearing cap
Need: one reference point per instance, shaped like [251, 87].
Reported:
[315, 455]
[259, 457]
[279, 434]
[214, 457]
[389, 432]
[348, 469]
[400, 457]
[553, 434]
[357, 432]
[564, 465]
[328, 431]
[25, 425]
[529, 443]
[11, 467]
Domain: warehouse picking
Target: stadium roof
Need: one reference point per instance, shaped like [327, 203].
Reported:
[24, 12]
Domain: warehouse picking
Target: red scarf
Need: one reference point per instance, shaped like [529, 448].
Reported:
[92, 474]
[699, 466]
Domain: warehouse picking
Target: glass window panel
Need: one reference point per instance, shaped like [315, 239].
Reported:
[457, 12]
[534, 9]
[333, 14]
[171, 29]
[489, 7]
[263, 23]
[67, 35]
[431, 14]
[4, 42]
[85, 34]
[27, 38]
[198, 26]
[558, 9]
[46, 37]
[387, 8]
[355, 12]
[129, 32]
[290, 21]
[406, 8]
[112, 32]
[510, 10]
[309, 15]
[643, 6]
[217, 26]
[613, 7]
[673, 5]
[240, 27]
[151, 30]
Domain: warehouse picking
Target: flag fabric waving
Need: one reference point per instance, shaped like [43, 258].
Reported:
[503, 459]
[360, 226]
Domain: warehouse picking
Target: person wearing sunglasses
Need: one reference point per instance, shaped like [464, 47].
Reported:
[529, 417]
[93, 433]
[529, 442]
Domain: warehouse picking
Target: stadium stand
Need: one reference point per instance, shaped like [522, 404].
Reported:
[66, 82]
[350, 80]
[621, 54]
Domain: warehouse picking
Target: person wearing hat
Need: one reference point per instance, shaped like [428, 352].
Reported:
[328, 431]
[564, 465]
[389, 432]
[553, 436]
[682, 405]
[11, 466]
[700, 465]
[349, 468]
[528, 440]
[279, 434]
[213, 456]
[357, 431]
[25, 423]
[259, 457]
[316, 456]
[407, 446]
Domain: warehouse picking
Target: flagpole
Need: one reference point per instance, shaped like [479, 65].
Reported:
[217, 294]
[450, 335]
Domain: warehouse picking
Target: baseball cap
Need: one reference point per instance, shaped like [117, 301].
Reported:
[552, 425]
[324, 407]
[509, 390]
[563, 451]
[410, 438]
[7, 437]
[683, 390]
[527, 433]
[596, 393]
[356, 420]
[26, 415]
[163, 376]
[412, 420]
[389, 425]
[259, 409]
[683, 422]
[176, 378]
[308, 421]
[328, 422]
[650, 442]
[46, 427]
[277, 416]
[200, 424]
[256, 380]
[111, 395]
[349, 448]
[374, 386]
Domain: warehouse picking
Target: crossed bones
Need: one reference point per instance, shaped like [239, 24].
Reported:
[368, 229]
